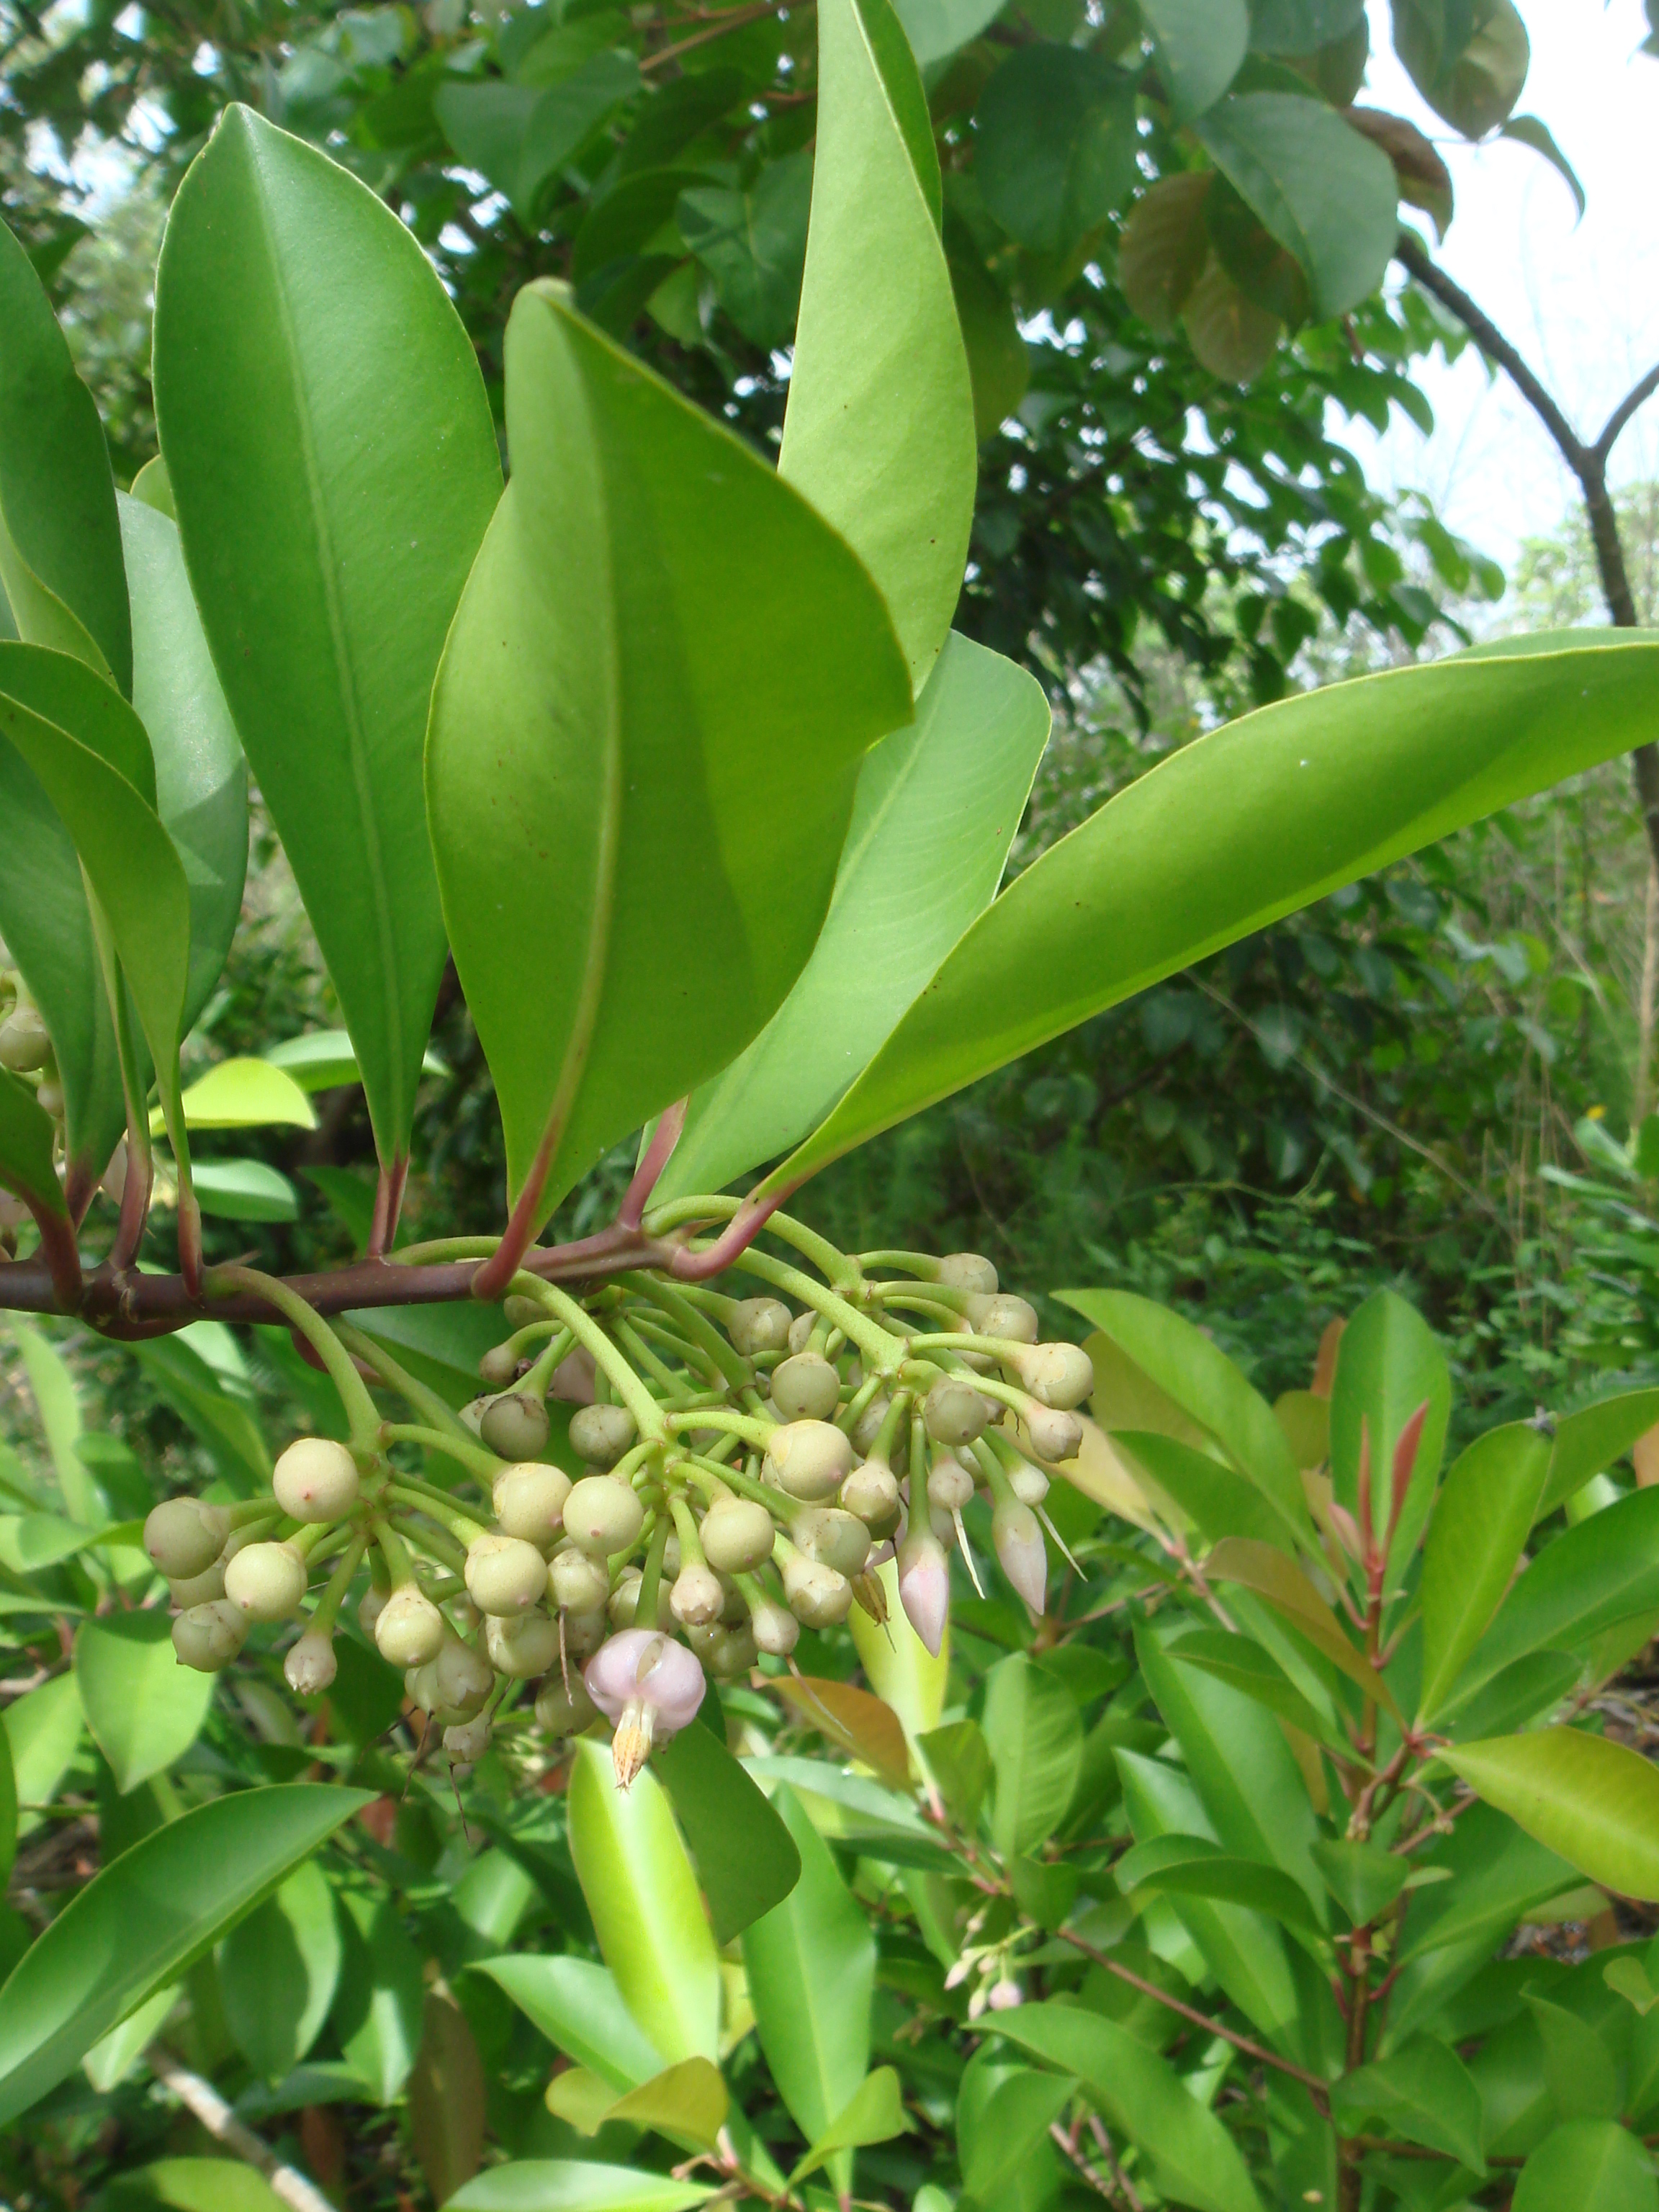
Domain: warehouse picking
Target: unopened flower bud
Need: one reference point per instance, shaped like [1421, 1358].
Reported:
[464, 1676]
[1019, 1547]
[650, 1686]
[410, 1630]
[519, 1311]
[944, 1525]
[565, 1713]
[601, 1434]
[775, 1629]
[1060, 1375]
[873, 1492]
[818, 1596]
[968, 1271]
[197, 1589]
[514, 1425]
[522, 1647]
[499, 1367]
[733, 1653]
[1029, 1484]
[529, 1501]
[578, 1584]
[835, 1538]
[602, 1515]
[24, 1042]
[949, 1485]
[1054, 1435]
[806, 1387]
[310, 1666]
[801, 1330]
[923, 1582]
[1006, 1995]
[49, 1095]
[208, 1637]
[697, 1597]
[267, 1581]
[867, 1427]
[504, 1574]
[184, 1537]
[758, 1325]
[955, 1413]
[584, 1632]
[738, 1534]
[811, 1459]
[1003, 1315]
[316, 1480]
[466, 1742]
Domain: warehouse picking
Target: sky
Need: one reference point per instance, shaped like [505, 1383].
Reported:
[1580, 298]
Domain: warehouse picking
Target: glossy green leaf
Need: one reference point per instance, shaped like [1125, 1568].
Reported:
[1293, 1596]
[60, 542]
[190, 1385]
[113, 2057]
[1422, 2091]
[1215, 1497]
[203, 2184]
[248, 1094]
[1389, 1365]
[1602, 1572]
[201, 778]
[879, 429]
[579, 2009]
[561, 2184]
[1529, 131]
[810, 1964]
[1593, 2166]
[1242, 1664]
[1363, 1878]
[753, 244]
[687, 2102]
[43, 1734]
[1595, 1802]
[1003, 2114]
[873, 2113]
[144, 1709]
[935, 811]
[1588, 1442]
[380, 2004]
[1055, 136]
[1234, 829]
[278, 1972]
[1326, 193]
[1201, 44]
[1581, 2068]
[144, 1917]
[521, 135]
[682, 604]
[746, 1859]
[1496, 1872]
[7, 1807]
[1181, 1361]
[244, 1190]
[1192, 1866]
[938, 27]
[321, 1059]
[647, 1912]
[958, 1760]
[327, 540]
[58, 1407]
[1481, 1520]
[1036, 1738]
[1193, 2159]
[26, 1137]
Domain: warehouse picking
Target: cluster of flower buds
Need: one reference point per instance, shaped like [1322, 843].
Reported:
[750, 1464]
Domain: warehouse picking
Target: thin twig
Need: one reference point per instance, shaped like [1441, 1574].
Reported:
[202, 2099]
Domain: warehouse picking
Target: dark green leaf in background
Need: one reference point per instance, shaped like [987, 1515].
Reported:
[1055, 144]
[144, 1709]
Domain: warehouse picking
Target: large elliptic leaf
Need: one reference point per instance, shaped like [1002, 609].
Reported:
[148, 1914]
[935, 812]
[1201, 46]
[938, 27]
[1594, 2165]
[1240, 826]
[1326, 193]
[333, 466]
[645, 736]
[1387, 1365]
[1593, 1802]
[201, 778]
[879, 430]
[1055, 140]
[60, 544]
[144, 1709]
[1481, 1520]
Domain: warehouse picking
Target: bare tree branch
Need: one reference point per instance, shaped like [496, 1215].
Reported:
[202, 2099]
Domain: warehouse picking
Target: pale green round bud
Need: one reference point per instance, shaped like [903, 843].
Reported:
[873, 1492]
[734, 1609]
[837, 1540]
[421, 1687]
[818, 1596]
[578, 1584]
[602, 1515]
[955, 1413]
[1059, 1375]
[504, 1574]
[463, 1677]
[601, 1434]
[514, 1425]
[697, 1597]
[410, 1630]
[801, 1330]
[565, 1712]
[1029, 1484]
[184, 1537]
[968, 1271]
[867, 1427]
[208, 1637]
[732, 1653]
[806, 1387]
[519, 1311]
[267, 1581]
[316, 1480]
[623, 1609]
[758, 1325]
[311, 1666]
[584, 1632]
[24, 1042]
[943, 1526]
[949, 1485]
[49, 1095]
[529, 1501]
[522, 1647]
[811, 1459]
[197, 1589]
[738, 1534]
[464, 1614]
[1004, 1316]
[500, 1366]
[1054, 1435]
[466, 1743]
[775, 1629]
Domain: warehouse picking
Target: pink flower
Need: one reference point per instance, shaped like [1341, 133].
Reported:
[649, 1686]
